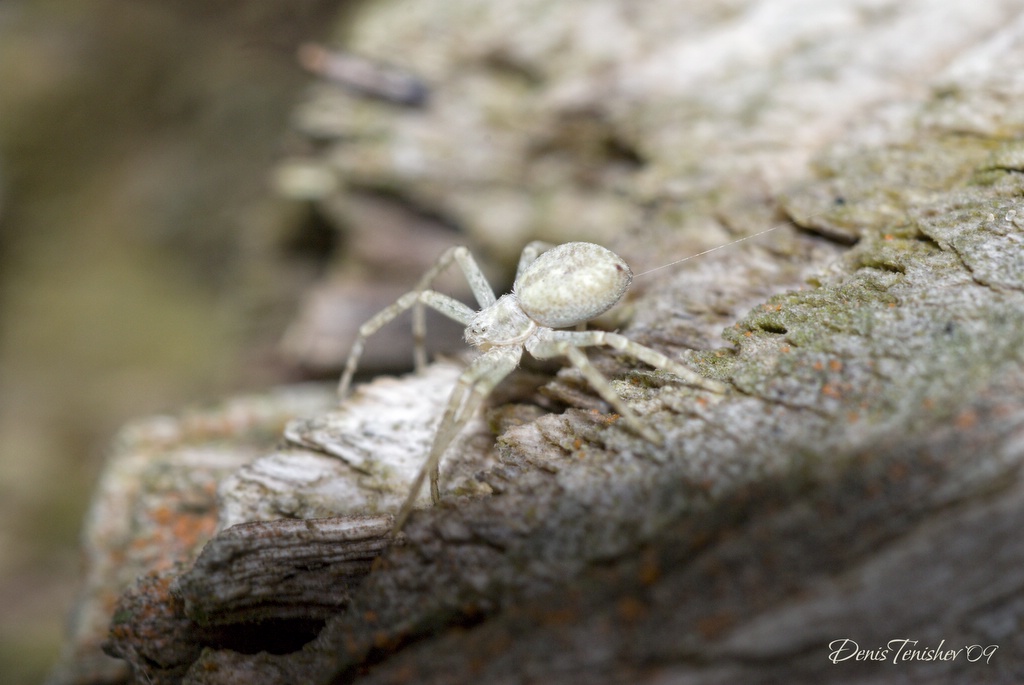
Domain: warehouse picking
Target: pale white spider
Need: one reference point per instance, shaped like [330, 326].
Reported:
[562, 287]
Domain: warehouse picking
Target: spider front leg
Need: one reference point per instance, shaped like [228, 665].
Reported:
[448, 306]
[482, 291]
[551, 343]
[472, 388]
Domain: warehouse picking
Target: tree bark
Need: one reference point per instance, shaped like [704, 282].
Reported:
[859, 485]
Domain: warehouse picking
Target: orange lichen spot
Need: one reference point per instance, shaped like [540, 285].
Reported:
[404, 674]
[714, 626]
[650, 568]
[874, 490]
[785, 349]
[702, 401]
[352, 645]
[966, 419]
[749, 334]
[888, 237]
[835, 365]
[384, 641]
[830, 390]
[577, 443]
[142, 543]
[163, 515]
[630, 609]
[108, 600]
[818, 366]
[162, 584]
[897, 472]
[191, 530]
[560, 617]
[471, 611]
[477, 664]
[496, 645]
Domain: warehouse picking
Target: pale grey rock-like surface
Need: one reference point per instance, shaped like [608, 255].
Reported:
[656, 131]
[860, 481]
[569, 121]
[358, 459]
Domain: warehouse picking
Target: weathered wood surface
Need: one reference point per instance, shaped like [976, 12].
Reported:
[156, 506]
[861, 480]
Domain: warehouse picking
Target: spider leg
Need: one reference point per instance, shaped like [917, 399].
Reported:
[448, 306]
[599, 383]
[472, 388]
[482, 291]
[568, 343]
[530, 253]
[634, 349]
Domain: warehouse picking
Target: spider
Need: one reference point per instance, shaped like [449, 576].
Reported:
[555, 289]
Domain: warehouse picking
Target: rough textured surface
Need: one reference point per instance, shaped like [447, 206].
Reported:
[358, 459]
[156, 507]
[239, 578]
[862, 479]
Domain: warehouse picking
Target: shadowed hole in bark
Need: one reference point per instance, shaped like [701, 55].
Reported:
[773, 327]
[889, 266]
[281, 636]
[315, 239]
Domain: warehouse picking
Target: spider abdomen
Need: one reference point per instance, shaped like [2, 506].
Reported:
[572, 283]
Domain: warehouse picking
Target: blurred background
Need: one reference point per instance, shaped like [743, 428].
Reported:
[144, 264]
